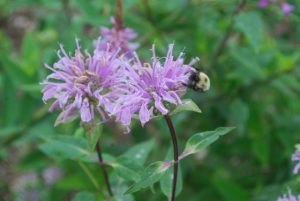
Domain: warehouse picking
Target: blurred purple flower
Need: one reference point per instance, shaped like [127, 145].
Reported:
[52, 175]
[117, 39]
[296, 157]
[28, 195]
[26, 187]
[286, 8]
[152, 88]
[82, 84]
[289, 197]
[263, 3]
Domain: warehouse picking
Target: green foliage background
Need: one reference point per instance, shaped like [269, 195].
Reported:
[255, 87]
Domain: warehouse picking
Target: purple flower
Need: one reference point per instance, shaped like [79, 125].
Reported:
[82, 84]
[26, 187]
[286, 8]
[52, 175]
[289, 197]
[296, 157]
[152, 89]
[263, 3]
[117, 38]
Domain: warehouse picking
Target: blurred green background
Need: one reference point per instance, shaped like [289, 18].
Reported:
[255, 80]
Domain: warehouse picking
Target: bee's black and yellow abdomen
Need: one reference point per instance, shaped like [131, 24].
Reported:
[199, 81]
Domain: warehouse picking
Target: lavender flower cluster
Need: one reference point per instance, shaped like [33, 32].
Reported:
[296, 158]
[285, 7]
[289, 196]
[113, 83]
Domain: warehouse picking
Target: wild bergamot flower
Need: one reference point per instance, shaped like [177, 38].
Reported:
[152, 88]
[117, 38]
[83, 84]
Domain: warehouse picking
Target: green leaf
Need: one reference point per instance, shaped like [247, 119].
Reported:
[250, 23]
[30, 54]
[248, 70]
[10, 107]
[10, 130]
[140, 152]
[230, 190]
[238, 115]
[93, 137]
[162, 7]
[84, 196]
[13, 70]
[127, 168]
[123, 198]
[199, 141]
[79, 132]
[65, 148]
[188, 105]
[119, 187]
[34, 89]
[108, 158]
[129, 3]
[150, 175]
[166, 182]
[261, 148]
[89, 12]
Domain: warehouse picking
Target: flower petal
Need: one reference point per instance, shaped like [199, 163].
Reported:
[159, 105]
[144, 114]
[85, 112]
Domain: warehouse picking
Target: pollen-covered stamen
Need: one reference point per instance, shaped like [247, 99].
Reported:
[81, 80]
[90, 78]
[76, 70]
[147, 65]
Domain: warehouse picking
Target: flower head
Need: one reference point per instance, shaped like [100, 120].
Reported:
[289, 197]
[152, 89]
[82, 84]
[117, 38]
[286, 8]
[296, 157]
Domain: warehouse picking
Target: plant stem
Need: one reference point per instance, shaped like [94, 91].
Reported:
[175, 151]
[119, 15]
[102, 165]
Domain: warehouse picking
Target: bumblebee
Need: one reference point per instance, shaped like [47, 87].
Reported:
[198, 81]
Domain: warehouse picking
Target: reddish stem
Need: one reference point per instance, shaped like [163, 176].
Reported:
[119, 15]
[175, 152]
[102, 165]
